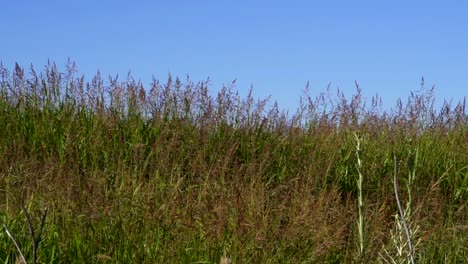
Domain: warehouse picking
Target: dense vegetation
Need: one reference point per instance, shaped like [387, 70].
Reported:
[174, 173]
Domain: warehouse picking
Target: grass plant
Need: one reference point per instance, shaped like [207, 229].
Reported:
[403, 250]
[359, 181]
[179, 173]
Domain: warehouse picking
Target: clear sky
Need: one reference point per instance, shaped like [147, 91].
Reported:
[276, 46]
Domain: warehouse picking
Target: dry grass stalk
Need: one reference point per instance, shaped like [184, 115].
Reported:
[225, 260]
[35, 238]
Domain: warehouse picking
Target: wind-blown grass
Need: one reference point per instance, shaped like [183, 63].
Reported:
[174, 173]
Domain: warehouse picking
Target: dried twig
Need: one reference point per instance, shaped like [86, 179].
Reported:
[14, 242]
[36, 240]
[402, 215]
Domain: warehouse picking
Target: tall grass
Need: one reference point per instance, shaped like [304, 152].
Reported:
[359, 182]
[177, 173]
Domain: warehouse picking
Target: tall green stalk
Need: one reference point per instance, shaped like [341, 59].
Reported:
[360, 197]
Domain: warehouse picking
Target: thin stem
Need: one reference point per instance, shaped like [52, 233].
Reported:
[402, 215]
[14, 242]
[360, 197]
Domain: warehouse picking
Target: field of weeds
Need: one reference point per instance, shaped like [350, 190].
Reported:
[174, 173]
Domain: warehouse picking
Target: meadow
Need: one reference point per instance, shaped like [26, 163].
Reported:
[177, 173]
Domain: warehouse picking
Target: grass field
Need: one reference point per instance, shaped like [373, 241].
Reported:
[175, 173]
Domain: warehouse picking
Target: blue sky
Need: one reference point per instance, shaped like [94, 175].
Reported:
[276, 46]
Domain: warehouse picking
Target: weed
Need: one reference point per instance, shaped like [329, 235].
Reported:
[176, 173]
